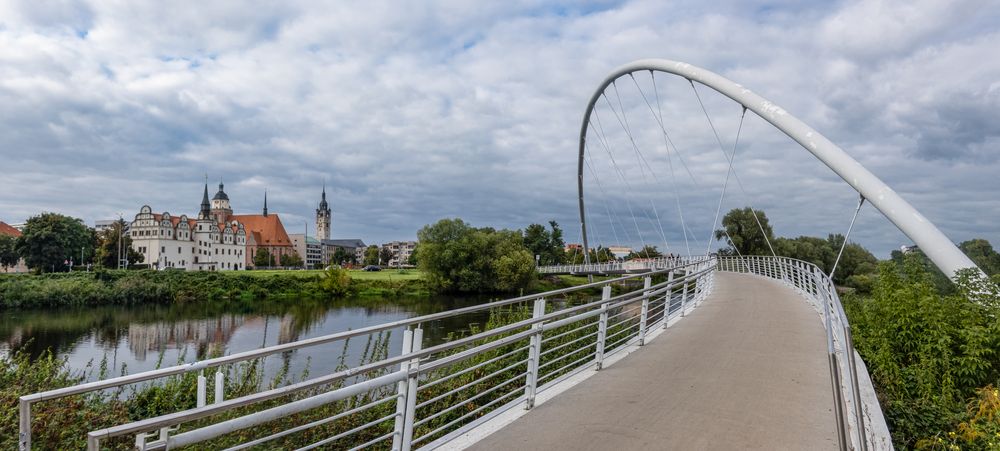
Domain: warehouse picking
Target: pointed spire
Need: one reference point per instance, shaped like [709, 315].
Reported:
[265, 203]
[206, 207]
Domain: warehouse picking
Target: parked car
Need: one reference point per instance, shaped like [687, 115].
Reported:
[372, 268]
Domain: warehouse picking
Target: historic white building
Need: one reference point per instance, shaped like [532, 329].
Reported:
[211, 242]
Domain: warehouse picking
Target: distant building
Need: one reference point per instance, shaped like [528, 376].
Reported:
[401, 251]
[620, 251]
[19, 226]
[11, 231]
[353, 247]
[309, 248]
[908, 249]
[216, 240]
[106, 224]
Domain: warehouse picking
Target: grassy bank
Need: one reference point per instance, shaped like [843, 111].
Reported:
[163, 287]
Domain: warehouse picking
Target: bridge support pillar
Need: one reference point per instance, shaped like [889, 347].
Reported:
[534, 356]
[602, 328]
[668, 299]
[644, 312]
[406, 393]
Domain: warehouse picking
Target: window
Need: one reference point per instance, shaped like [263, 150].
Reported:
[163, 249]
[178, 249]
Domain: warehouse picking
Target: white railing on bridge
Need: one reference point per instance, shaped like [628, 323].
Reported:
[621, 267]
[420, 397]
[860, 423]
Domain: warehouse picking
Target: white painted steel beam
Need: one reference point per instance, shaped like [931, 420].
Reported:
[941, 250]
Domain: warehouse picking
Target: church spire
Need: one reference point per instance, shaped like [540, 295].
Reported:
[265, 203]
[206, 208]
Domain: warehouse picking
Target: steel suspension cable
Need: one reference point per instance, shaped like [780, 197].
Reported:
[725, 184]
[623, 121]
[670, 161]
[604, 196]
[628, 203]
[844, 244]
[602, 138]
[730, 158]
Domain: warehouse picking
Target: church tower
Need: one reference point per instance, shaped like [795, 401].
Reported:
[221, 210]
[323, 218]
[205, 212]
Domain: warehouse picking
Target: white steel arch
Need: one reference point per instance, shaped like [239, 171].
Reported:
[941, 250]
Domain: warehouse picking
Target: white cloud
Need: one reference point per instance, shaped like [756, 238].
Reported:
[415, 111]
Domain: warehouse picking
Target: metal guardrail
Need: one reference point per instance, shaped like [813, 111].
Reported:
[616, 267]
[851, 407]
[438, 392]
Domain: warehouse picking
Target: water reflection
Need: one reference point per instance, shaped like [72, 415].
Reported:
[140, 338]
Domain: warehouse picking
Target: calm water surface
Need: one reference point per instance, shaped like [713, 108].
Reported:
[139, 338]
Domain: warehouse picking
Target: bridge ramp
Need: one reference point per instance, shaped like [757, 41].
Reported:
[745, 370]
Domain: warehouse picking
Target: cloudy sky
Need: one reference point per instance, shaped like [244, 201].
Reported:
[415, 111]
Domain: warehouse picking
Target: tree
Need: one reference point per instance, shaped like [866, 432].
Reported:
[263, 258]
[51, 239]
[855, 261]
[107, 252]
[371, 255]
[8, 251]
[647, 251]
[385, 255]
[548, 245]
[457, 257]
[744, 234]
[292, 260]
[981, 253]
[341, 256]
[414, 260]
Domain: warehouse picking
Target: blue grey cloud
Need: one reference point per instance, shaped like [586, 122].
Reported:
[415, 111]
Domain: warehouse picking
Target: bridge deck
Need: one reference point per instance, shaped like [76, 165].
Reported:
[746, 370]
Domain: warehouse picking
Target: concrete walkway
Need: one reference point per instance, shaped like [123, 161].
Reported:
[746, 370]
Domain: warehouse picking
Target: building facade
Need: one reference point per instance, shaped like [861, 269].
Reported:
[354, 247]
[401, 252]
[309, 248]
[217, 240]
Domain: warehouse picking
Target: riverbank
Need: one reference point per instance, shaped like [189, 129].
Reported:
[165, 287]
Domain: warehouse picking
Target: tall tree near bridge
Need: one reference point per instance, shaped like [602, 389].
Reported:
[548, 245]
[108, 250]
[740, 229]
[458, 257]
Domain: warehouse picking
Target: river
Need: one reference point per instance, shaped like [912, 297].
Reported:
[131, 339]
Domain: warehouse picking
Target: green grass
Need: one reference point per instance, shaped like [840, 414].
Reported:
[385, 274]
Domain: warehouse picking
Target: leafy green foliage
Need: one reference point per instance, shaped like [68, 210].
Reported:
[107, 252]
[741, 230]
[263, 258]
[8, 251]
[371, 255]
[647, 251]
[547, 244]
[601, 254]
[292, 260]
[982, 254]
[857, 266]
[49, 239]
[457, 257]
[385, 255]
[335, 281]
[927, 353]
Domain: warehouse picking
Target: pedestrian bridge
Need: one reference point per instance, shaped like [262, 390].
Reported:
[748, 352]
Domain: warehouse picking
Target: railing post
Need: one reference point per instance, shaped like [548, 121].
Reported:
[411, 391]
[24, 425]
[534, 356]
[397, 435]
[684, 294]
[219, 387]
[602, 327]
[644, 312]
[201, 390]
[669, 299]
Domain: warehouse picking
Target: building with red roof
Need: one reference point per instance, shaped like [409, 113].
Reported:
[7, 230]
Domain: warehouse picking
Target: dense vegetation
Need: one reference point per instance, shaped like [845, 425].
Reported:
[934, 358]
[138, 287]
[460, 258]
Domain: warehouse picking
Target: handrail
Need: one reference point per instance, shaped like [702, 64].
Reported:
[693, 272]
[851, 405]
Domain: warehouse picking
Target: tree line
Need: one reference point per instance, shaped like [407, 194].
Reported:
[51, 242]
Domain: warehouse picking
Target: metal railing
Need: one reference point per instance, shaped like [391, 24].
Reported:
[851, 407]
[422, 396]
[622, 267]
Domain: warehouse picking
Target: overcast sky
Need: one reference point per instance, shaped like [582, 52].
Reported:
[415, 111]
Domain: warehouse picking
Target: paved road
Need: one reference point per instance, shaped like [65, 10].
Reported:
[746, 370]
